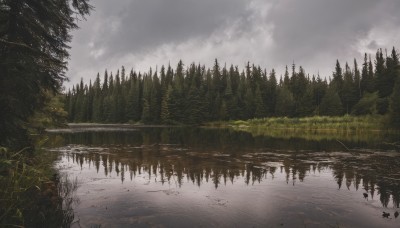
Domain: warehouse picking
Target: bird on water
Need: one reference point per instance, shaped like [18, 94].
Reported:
[385, 214]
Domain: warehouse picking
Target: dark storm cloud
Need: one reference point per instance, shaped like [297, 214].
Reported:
[272, 33]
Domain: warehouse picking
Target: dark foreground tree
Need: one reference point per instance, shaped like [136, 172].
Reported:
[33, 51]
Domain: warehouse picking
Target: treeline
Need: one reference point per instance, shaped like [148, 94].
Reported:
[194, 94]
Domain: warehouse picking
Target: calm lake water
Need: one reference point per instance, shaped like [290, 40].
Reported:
[121, 176]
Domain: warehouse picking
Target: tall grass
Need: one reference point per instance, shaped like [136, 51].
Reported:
[343, 123]
[317, 127]
[29, 195]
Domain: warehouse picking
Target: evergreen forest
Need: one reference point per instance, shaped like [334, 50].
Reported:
[39, 190]
[195, 94]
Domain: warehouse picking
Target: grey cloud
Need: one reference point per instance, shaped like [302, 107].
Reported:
[305, 29]
[145, 24]
[312, 32]
[373, 45]
[309, 28]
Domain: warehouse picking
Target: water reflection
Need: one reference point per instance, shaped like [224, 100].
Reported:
[66, 190]
[182, 156]
[372, 171]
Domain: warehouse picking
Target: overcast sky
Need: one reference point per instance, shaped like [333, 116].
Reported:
[140, 34]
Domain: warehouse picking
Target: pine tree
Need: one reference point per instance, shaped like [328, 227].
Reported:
[380, 75]
[223, 110]
[89, 105]
[146, 116]
[286, 79]
[271, 95]
[108, 109]
[260, 110]
[228, 97]
[367, 104]
[337, 81]
[390, 74]
[195, 107]
[319, 90]
[331, 104]
[105, 83]
[216, 78]
[364, 84]
[179, 79]
[97, 109]
[357, 80]
[305, 106]
[165, 114]
[349, 96]
[71, 105]
[249, 102]
[284, 102]
[299, 85]
[132, 101]
[155, 101]
[394, 119]
[33, 36]
[371, 75]
[387, 82]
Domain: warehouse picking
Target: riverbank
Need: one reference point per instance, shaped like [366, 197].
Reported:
[31, 190]
[313, 128]
[346, 128]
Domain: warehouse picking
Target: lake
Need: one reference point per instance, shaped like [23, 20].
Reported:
[126, 176]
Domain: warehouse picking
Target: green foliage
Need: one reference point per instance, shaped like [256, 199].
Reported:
[261, 110]
[165, 114]
[331, 104]
[350, 93]
[194, 95]
[33, 37]
[382, 105]
[305, 105]
[52, 115]
[395, 106]
[367, 104]
[284, 103]
[146, 118]
[367, 79]
[313, 128]
[30, 196]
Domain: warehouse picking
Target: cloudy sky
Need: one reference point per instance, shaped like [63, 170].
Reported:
[140, 34]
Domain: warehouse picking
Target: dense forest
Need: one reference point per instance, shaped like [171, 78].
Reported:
[194, 94]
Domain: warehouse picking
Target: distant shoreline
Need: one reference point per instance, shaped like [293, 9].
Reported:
[82, 127]
[117, 125]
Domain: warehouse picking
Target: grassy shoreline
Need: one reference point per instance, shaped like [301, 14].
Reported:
[347, 123]
[30, 189]
[346, 128]
[349, 128]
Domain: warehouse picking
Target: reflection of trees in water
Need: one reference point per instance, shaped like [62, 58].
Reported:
[221, 139]
[173, 166]
[379, 172]
[66, 190]
[219, 156]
